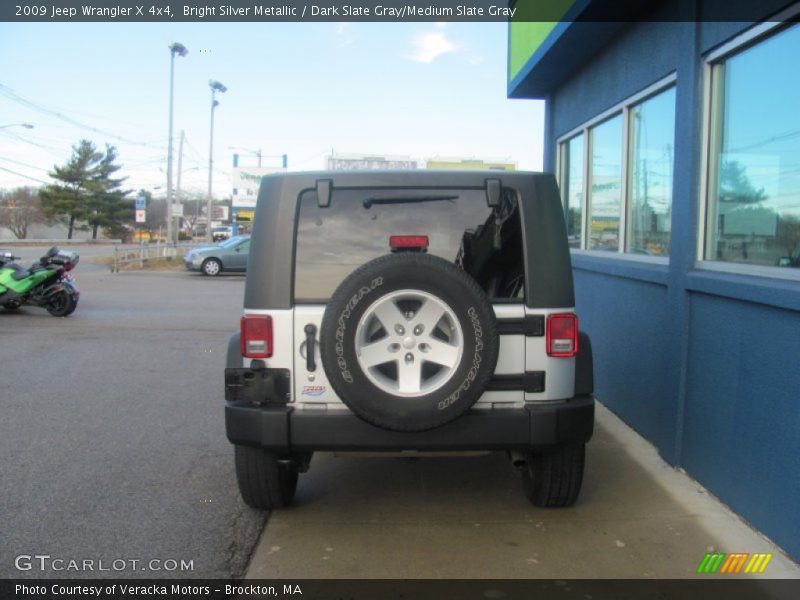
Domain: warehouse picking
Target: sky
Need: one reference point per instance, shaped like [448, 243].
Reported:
[303, 89]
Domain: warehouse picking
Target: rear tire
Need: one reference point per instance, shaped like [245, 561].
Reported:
[264, 482]
[211, 267]
[552, 478]
[62, 304]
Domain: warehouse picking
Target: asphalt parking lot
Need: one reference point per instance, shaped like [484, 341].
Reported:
[114, 448]
[112, 436]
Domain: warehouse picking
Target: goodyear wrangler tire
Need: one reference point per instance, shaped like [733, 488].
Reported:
[409, 342]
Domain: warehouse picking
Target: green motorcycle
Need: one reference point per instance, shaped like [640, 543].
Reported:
[47, 283]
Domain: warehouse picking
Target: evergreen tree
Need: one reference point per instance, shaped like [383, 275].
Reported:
[87, 191]
[107, 204]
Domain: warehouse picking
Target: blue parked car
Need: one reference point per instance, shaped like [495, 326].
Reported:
[230, 255]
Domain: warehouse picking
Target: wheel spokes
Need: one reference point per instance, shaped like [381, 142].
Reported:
[389, 315]
[409, 375]
[441, 353]
[419, 346]
[428, 315]
[377, 353]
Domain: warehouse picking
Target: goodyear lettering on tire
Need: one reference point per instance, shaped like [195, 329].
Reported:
[344, 317]
[477, 357]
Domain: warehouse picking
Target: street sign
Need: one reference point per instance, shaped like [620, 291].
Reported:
[141, 203]
[177, 210]
[141, 216]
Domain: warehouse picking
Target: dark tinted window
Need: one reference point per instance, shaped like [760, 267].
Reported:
[332, 242]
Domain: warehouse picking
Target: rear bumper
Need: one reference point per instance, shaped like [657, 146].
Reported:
[281, 428]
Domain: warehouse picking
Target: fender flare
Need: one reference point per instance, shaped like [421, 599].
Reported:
[584, 366]
[233, 359]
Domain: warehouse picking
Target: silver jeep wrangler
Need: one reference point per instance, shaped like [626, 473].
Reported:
[409, 311]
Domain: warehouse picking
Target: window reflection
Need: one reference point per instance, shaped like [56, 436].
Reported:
[573, 189]
[605, 185]
[652, 127]
[332, 242]
[754, 200]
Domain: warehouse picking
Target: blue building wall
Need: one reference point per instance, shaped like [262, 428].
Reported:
[703, 364]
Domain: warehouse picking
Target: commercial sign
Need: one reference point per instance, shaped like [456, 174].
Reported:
[246, 181]
[219, 212]
[347, 162]
[459, 164]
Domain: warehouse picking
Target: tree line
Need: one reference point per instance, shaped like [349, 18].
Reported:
[85, 195]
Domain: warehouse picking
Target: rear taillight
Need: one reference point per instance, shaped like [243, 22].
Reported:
[256, 336]
[408, 242]
[562, 335]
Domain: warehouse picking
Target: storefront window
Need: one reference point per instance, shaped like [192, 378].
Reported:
[573, 188]
[605, 185]
[652, 132]
[754, 163]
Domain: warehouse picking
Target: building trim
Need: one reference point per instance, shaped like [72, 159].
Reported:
[640, 268]
[750, 270]
[754, 34]
[745, 288]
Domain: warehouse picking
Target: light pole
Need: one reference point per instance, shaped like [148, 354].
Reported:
[25, 125]
[180, 50]
[215, 86]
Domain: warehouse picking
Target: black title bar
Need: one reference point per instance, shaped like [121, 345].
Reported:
[378, 10]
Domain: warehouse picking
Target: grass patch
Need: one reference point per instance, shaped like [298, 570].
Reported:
[131, 262]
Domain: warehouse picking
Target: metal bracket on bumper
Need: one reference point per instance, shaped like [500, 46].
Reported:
[281, 428]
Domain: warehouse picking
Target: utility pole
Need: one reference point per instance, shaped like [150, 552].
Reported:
[180, 170]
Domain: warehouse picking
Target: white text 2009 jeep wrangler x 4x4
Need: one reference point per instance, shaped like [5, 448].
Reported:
[409, 311]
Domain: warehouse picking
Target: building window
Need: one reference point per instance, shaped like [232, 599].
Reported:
[618, 194]
[573, 182]
[753, 201]
[605, 185]
[652, 130]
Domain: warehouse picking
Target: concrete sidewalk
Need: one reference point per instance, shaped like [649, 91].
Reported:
[359, 517]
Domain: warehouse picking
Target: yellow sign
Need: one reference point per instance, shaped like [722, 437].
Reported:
[470, 164]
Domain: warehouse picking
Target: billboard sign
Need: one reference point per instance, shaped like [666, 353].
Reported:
[346, 162]
[246, 181]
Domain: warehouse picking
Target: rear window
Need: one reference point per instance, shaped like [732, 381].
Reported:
[332, 242]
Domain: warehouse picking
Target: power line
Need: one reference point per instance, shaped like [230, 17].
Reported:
[22, 164]
[11, 95]
[25, 176]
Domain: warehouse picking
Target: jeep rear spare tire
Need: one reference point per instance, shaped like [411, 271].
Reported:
[409, 341]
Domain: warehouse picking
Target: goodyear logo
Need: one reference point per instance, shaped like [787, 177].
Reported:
[734, 563]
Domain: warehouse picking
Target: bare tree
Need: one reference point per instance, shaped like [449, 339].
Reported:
[19, 209]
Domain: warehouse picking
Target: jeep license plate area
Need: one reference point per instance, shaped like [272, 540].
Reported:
[247, 386]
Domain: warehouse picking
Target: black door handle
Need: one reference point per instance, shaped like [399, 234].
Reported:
[311, 331]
